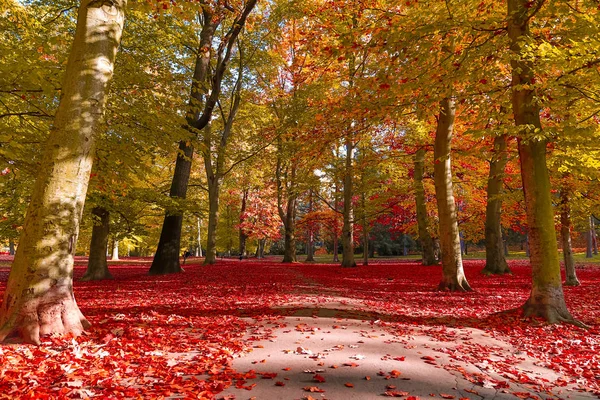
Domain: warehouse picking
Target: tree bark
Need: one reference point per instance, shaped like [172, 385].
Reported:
[199, 238]
[115, 250]
[425, 238]
[39, 297]
[289, 224]
[495, 261]
[11, 246]
[310, 244]
[336, 248]
[546, 299]
[214, 187]
[97, 268]
[565, 233]
[365, 238]
[453, 276]
[348, 227]
[166, 259]
[243, 236]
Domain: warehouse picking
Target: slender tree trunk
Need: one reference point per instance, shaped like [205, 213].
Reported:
[11, 246]
[199, 238]
[97, 268]
[310, 245]
[594, 237]
[546, 299]
[348, 227]
[425, 238]
[115, 250]
[495, 261]
[565, 232]
[243, 236]
[336, 248]
[166, 259]
[213, 218]
[39, 298]
[590, 240]
[365, 238]
[453, 276]
[289, 254]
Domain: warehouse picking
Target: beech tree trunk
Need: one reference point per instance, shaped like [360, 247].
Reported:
[546, 299]
[97, 268]
[348, 215]
[453, 276]
[243, 236]
[214, 186]
[115, 250]
[310, 244]
[166, 258]
[565, 233]
[199, 238]
[495, 261]
[336, 248]
[289, 225]
[39, 297]
[11, 246]
[425, 238]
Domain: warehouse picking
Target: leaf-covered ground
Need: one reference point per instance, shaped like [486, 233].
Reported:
[176, 336]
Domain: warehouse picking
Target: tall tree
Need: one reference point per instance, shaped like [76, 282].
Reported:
[203, 100]
[546, 299]
[425, 238]
[39, 297]
[453, 276]
[97, 268]
[495, 261]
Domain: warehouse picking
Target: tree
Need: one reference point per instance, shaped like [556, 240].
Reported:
[495, 261]
[453, 276]
[203, 100]
[97, 265]
[39, 297]
[546, 299]
[425, 238]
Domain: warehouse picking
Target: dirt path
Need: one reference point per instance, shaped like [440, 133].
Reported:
[333, 348]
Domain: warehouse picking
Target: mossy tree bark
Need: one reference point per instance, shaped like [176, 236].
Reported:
[453, 276]
[565, 233]
[546, 299]
[97, 268]
[39, 297]
[495, 261]
[425, 238]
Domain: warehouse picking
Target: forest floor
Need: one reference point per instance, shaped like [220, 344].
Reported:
[265, 330]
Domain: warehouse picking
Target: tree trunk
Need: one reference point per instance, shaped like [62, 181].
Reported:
[348, 227]
[97, 268]
[199, 238]
[594, 237]
[453, 276]
[289, 244]
[546, 299]
[425, 238]
[39, 297]
[565, 233]
[213, 218]
[310, 244]
[166, 259]
[115, 250]
[243, 236]
[11, 246]
[589, 236]
[495, 261]
[336, 248]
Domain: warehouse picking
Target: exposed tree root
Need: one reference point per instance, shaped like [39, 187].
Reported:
[96, 276]
[546, 312]
[487, 270]
[572, 282]
[454, 286]
[34, 318]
